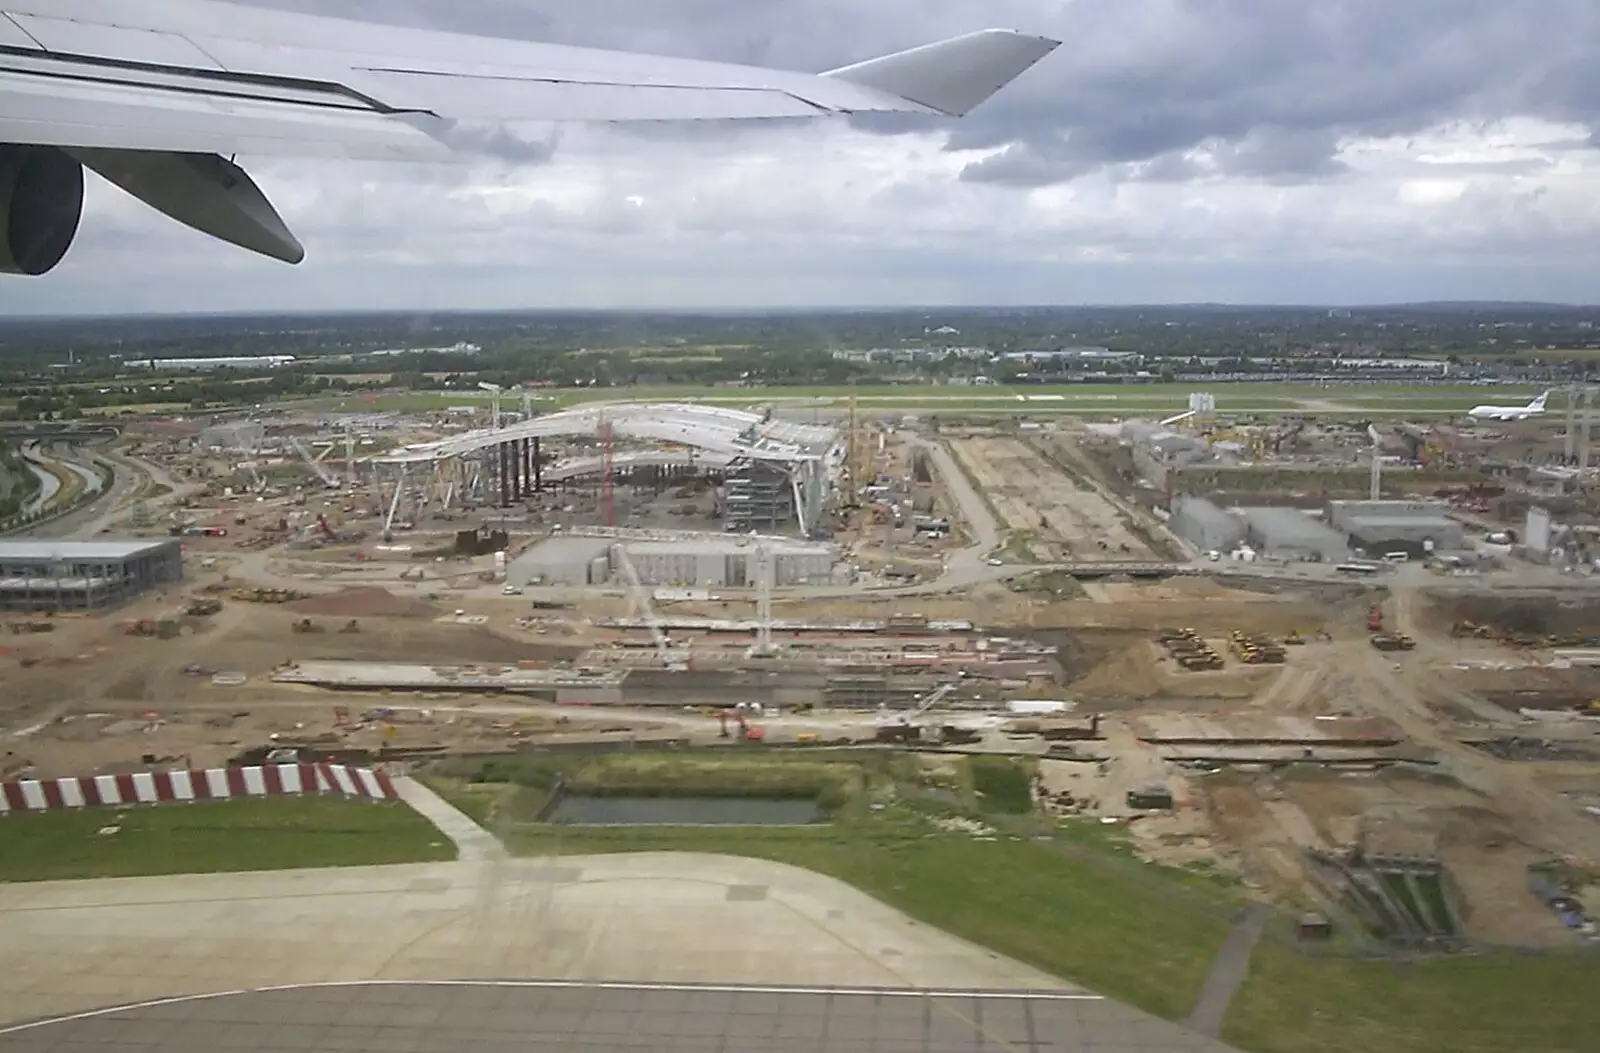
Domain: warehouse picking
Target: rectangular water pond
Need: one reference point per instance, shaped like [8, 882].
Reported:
[699, 811]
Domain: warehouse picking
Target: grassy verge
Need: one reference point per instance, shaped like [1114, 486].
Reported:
[1000, 785]
[1486, 1004]
[274, 833]
[1070, 898]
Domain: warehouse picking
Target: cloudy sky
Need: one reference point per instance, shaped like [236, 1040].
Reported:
[1340, 151]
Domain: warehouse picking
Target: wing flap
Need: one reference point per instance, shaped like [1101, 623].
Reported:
[549, 82]
[50, 111]
[516, 99]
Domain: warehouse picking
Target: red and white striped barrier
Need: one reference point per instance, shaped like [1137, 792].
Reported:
[203, 784]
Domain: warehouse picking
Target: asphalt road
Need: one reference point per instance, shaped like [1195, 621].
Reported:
[86, 522]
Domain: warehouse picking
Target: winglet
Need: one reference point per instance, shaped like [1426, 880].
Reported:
[951, 76]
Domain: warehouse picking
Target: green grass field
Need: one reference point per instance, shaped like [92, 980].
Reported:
[1480, 1004]
[269, 833]
[1085, 400]
[1071, 900]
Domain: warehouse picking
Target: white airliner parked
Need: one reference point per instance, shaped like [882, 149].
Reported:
[157, 96]
[1532, 409]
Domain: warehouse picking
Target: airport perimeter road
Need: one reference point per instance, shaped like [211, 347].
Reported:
[75, 946]
[131, 474]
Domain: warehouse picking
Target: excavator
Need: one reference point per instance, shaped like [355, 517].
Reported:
[747, 733]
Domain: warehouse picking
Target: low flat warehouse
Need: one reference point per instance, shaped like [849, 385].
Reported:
[41, 576]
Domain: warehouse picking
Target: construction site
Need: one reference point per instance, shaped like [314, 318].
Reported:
[1400, 749]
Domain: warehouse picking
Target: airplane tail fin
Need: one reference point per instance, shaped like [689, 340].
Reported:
[1538, 403]
[951, 76]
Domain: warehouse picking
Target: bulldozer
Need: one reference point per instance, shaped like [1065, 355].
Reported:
[1393, 642]
[200, 607]
[306, 625]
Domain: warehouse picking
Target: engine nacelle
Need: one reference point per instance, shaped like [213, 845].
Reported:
[41, 202]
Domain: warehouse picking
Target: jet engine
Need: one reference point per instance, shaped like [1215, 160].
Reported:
[41, 201]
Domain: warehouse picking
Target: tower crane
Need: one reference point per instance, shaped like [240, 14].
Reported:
[495, 391]
[1377, 462]
[764, 574]
[327, 478]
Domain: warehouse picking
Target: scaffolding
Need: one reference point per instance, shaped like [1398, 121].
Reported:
[757, 495]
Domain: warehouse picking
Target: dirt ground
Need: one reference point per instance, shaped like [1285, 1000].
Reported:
[125, 697]
[1055, 518]
[1273, 819]
[1182, 602]
[88, 697]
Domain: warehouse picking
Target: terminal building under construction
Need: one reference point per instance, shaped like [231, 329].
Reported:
[47, 577]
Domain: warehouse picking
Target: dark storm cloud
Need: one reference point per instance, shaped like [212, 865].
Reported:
[1279, 86]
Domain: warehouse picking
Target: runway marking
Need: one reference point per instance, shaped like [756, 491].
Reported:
[597, 985]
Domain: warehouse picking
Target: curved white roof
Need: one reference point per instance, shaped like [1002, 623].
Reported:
[737, 433]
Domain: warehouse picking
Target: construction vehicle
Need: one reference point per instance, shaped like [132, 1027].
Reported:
[639, 605]
[897, 733]
[351, 626]
[1189, 649]
[1255, 649]
[23, 628]
[1375, 619]
[747, 733]
[1393, 642]
[1293, 638]
[201, 607]
[267, 595]
[162, 628]
[306, 625]
[1473, 629]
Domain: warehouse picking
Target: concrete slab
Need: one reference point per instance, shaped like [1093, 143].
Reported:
[650, 917]
[520, 1017]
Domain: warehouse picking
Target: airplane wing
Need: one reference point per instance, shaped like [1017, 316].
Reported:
[201, 76]
[157, 95]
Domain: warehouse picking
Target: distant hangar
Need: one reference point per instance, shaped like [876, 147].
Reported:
[1373, 528]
